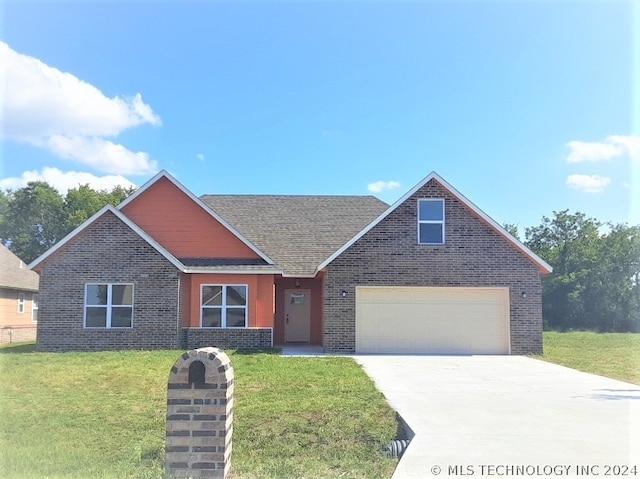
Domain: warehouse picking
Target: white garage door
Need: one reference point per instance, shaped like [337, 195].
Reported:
[414, 320]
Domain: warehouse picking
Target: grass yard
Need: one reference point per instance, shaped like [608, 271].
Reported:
[615, 355]
[102, 415]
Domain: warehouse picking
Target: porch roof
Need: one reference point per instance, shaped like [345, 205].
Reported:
[191, 262]
[229, 265]
[297, 231]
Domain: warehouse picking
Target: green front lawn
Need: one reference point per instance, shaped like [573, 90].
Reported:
[615, 355]
[102, 415]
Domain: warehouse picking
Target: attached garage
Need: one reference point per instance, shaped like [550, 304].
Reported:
[432, 320]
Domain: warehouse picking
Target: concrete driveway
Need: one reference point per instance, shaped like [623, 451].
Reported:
[482, 415]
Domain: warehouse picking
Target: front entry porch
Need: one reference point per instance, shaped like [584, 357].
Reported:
[298, 311]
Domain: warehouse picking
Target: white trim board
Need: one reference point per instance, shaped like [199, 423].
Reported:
[197, 201]
[136, 229]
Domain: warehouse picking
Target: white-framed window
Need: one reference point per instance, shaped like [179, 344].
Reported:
[34, 308]
[431, 221]
[223, 306]
[20, 303]
[108, 305]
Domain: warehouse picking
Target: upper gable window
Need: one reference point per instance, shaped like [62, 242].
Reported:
[431, 221]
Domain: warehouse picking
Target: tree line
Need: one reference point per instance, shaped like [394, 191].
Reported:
[34, 218]
[595, 284]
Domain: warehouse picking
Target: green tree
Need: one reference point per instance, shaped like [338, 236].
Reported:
[4, 205]
[512, 229]
[594, 282]
[34, 218]
[614, 295]
[83, 202]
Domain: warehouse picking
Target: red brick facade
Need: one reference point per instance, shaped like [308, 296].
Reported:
[108, 252]
[474, 254]
[166, 298]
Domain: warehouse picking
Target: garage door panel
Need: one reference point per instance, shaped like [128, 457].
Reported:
[432, 320]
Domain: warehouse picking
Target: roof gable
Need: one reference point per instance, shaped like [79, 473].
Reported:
[297, 231]
[542, 265]
[14, 274]
[183, 224]
[78, 231]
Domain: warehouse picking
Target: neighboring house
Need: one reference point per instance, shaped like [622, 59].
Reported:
[18, 299]
[165, 269]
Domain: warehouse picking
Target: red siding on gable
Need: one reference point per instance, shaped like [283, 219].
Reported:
[181, 226]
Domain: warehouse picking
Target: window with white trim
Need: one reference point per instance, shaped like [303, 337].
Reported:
[108, 305]
[223, 306]
[431, 221]
[20, 303]
[34, 308]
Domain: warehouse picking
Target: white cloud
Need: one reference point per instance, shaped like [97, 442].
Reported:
[63, 181]
[582, 151]
[200, 156]
[102, 154]
[44, 106]
[612, 146]
[380, 186]
[630, 142]
[588, 183]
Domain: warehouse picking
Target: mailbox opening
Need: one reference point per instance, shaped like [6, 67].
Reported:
[196, 374]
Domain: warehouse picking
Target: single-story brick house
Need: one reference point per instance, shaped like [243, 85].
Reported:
[165, 269]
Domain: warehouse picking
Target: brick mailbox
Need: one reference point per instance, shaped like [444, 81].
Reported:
[199, 415]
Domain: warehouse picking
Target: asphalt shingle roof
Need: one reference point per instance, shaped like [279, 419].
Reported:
[14, 273]
[297, 232]
[205, 262]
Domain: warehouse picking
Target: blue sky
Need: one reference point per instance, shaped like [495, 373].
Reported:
[525, 107]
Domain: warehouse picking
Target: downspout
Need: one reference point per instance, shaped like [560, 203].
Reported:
[179, 312]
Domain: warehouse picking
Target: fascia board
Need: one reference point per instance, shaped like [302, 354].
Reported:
[69, 237]
[153, 243]
[230, 271]
[142, 189]
[367, 228]
[196, 200]
[543, 266]
[121, 217]
[301, 276]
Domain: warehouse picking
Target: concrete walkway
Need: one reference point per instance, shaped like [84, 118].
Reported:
[301, 350]
[481, 415]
